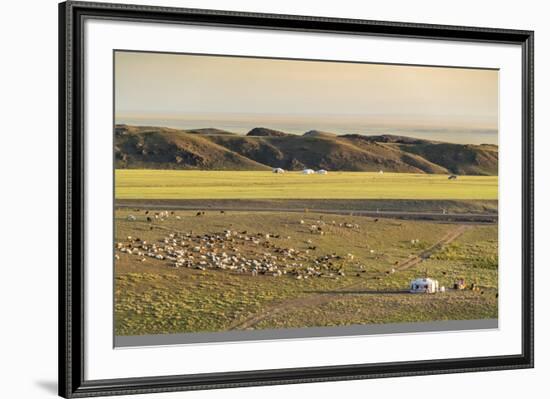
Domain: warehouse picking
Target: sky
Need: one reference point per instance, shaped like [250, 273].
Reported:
[242, 93]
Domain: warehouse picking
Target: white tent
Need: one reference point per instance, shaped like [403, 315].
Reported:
[308, 171]
[322, 172]
[426, 285]
[278, 170]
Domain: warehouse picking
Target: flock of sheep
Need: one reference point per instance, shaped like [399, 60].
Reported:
[318, 226]
[238, 251]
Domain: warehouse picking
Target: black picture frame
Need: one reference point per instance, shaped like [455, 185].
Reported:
[71, 200]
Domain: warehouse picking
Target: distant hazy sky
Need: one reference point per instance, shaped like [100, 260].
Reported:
[151, 85]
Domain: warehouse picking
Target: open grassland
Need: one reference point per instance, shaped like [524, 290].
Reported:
[153, 297]
[179, 184]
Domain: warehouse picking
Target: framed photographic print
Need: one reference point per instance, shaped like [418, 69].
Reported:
[252, 199]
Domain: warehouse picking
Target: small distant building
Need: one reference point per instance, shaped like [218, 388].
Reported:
[322, 172]
[308, 171]
[278, 170]
[381, 172]
[424, 285]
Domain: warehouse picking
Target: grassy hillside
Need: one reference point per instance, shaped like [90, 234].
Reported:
[458, 159]
[262, 148]
[162, 148]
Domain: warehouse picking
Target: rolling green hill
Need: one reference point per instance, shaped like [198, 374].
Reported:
[147, 147]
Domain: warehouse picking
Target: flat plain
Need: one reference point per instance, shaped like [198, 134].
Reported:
[193, 184]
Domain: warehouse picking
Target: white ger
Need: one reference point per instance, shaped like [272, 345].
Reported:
[278, 170]
[424, 285]
[308, 171]
[321, 172]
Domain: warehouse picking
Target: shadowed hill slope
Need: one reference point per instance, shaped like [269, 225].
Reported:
[261, 149]
[265, 132]
[161, 148]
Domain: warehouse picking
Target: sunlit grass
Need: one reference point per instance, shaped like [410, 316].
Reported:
[154, 298]
[177, 184]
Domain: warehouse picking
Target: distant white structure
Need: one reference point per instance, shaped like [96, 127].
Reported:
[381, 172]
[424, 285]
[278, 170]
[308, 171]
[322, 172]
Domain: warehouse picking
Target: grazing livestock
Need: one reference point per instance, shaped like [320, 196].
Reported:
[460, 284]
[231, 251]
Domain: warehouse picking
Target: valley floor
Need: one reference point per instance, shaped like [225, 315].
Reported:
[242, 270]
[253, 185]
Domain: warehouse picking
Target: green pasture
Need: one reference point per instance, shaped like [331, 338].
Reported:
[184, 184]
[152, 297]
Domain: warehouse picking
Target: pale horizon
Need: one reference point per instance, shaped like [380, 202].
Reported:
[238, 94]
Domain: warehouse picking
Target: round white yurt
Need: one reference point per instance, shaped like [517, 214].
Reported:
[278, 170]
[308, 171]
[322, 172]
[424, 285]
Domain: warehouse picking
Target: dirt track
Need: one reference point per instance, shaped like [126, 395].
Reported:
[436, 216]
[447, 239]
